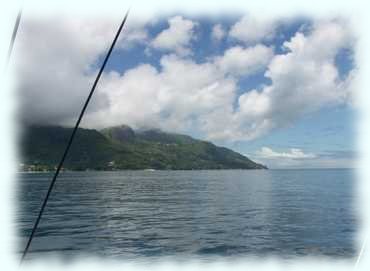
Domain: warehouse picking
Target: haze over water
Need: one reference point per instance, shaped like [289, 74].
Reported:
[200, 214]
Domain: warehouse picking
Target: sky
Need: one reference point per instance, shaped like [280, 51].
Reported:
[279, 91]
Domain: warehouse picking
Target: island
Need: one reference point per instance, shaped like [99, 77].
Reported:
[123, 148]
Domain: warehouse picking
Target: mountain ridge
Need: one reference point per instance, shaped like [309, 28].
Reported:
[121, 147]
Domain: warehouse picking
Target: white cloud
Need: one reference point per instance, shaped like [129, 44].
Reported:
[297, 158]
[251, 30]
[176, 37]
[54, 63]
[244, 61]
[134, 33]
[55, 75]
[304, 79]
[145, 96]
[268, 153]
[184, 94]
[218, 32]
[53, 66]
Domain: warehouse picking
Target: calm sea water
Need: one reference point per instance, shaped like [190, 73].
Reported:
[200, 214]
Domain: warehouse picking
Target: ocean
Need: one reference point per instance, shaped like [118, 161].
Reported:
[132, 215]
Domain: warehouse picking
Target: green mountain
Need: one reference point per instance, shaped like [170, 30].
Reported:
[123, 148]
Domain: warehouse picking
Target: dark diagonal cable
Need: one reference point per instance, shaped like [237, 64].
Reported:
[71, 138]
[14, 35]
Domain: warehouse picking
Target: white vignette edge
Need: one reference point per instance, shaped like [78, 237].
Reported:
[355, 10]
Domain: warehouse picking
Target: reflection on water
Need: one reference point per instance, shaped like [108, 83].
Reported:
[201, 214]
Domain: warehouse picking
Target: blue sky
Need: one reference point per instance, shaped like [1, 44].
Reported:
[330, 130]
[278, 91]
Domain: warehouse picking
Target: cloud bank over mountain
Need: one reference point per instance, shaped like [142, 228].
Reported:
[57, 63]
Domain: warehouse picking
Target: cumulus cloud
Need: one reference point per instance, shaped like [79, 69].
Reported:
[218, 32]
[53, 66]
[135, 33]
[244, 61]
[304, 79]
[176, 37]
[145, 96]
[268, 153]
[55, 71]
[251, 30]
[297, 158]
[181, 94]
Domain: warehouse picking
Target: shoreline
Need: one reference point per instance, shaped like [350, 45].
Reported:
[148, 170]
